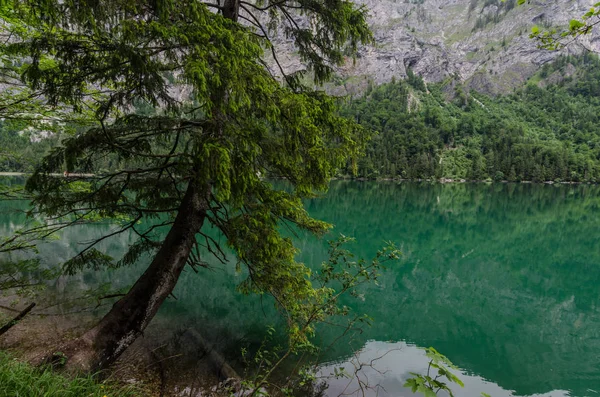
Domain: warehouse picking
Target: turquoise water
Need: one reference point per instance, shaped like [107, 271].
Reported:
[504, 279]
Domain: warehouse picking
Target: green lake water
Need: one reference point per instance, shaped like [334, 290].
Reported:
[504, 279]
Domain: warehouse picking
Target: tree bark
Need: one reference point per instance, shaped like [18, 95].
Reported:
[102, 345]
[231, 9]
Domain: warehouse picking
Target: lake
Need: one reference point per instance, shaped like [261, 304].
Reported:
[504, 279]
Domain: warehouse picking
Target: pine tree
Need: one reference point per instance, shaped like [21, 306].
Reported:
[222, 120]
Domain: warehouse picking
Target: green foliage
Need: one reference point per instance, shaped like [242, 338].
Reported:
[162, 102]
[23, 146]
[428, 385]
[539, 133]
[20, 270]
[414, 80]
[502, 7]
[90, 259]
[340, 276]
[23, 276]
[19, 379]
[555, 39]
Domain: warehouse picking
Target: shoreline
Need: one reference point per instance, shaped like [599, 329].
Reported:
[449, 181]
[153, 364]
[69, 175]
[446, 180]
[341, 178]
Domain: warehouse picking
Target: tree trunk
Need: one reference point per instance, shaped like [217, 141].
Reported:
[16, 320]
[231, 9]
[101, 346]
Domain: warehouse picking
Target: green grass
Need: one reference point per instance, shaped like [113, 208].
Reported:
[18, 379]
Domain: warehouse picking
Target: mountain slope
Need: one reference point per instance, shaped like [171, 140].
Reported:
[547, 130]
[484, 43]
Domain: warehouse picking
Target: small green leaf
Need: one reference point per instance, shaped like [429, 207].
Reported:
[575, 24]
[429, 393]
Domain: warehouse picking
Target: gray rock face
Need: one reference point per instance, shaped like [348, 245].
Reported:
[484, 43]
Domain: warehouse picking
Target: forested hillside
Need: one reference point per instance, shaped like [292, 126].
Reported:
[547, 130]
[21, 147]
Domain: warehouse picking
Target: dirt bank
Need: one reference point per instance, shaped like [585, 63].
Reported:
[163, 362]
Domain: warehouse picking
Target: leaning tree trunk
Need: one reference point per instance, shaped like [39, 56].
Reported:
[102, 345]
[127, 319]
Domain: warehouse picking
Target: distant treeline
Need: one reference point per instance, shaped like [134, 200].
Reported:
[547, 130]
[22, 147]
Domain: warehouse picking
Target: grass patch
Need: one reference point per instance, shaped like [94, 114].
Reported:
[18, 379]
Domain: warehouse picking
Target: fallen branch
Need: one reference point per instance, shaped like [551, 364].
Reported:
[223, 370]
[15, 320]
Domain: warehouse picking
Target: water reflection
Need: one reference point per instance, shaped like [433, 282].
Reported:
[384, 367]
[502, 279]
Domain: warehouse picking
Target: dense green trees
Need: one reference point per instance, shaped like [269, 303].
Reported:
[548, 130]
[544, 131]
[22, 148]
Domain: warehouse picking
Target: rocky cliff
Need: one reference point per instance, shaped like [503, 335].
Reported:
[484, 43]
